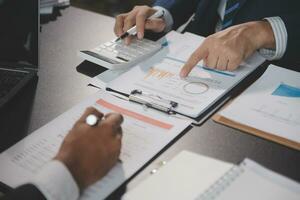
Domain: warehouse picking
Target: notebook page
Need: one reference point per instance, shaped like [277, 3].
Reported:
[184, 177]
[255, 182]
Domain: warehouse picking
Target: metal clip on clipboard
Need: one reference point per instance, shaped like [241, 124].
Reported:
[153, 101]
[158, 103]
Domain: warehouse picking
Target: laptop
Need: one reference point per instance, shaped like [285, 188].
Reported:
[19, 46]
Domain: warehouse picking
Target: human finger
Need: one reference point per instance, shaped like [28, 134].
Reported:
[129, 22]
[233, 65]
[222, 63]
[211, 61]
[156, 25]
[114, 120]
[119, 24]
[197, 56]
[141, 18]
[90, 111]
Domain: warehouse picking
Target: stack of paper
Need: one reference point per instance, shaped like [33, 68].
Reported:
[269, 108]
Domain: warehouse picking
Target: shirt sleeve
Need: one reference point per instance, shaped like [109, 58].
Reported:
[281, 37]
[167, 17]
[56, 182]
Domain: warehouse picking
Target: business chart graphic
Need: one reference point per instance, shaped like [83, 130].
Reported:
[281, 113]
[158, 73]
[195, 88]
[285, 90]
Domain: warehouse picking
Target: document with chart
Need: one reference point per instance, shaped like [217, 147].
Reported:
[159, 76]
[271, 106]
[175, 46]
[145, 133]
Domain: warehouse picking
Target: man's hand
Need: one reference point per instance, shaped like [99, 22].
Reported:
[89, 152]
[138, 16]
[227, 49]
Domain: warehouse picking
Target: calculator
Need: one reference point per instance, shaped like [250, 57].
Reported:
[116, 54]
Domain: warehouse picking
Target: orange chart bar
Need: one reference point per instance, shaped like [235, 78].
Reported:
[135, 115]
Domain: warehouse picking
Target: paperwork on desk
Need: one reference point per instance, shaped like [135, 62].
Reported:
[190, 176]
[271, 105]
[176, 46]
[159, 75]
[145, 133]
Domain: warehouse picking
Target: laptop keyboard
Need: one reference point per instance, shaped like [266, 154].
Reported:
[9, 79]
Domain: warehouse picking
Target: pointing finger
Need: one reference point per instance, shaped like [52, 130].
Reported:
[197, 56]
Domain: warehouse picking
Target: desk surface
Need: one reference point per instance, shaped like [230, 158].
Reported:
[60, 87]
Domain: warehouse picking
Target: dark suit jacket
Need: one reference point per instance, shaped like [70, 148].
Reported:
[27, 191]
[206, 17]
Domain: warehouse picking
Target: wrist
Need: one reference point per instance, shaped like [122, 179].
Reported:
[262, 34]
[71, 165]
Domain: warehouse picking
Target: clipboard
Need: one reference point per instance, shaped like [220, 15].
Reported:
[253, 131]
[167, 106]
[218, 104]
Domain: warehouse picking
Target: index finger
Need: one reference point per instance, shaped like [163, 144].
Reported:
[196, 57]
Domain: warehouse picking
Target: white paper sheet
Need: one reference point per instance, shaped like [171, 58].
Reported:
[253, 181]
[160, 76]
[271, 104]
[145, 133]
[185, 177]
[190, 176]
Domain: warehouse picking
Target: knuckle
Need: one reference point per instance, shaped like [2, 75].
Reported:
[106, 126]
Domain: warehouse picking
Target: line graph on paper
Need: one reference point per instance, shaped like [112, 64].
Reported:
[280, 114]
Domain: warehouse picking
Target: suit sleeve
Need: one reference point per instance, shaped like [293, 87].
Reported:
[292, 25]
[181, 10]
[27, 191]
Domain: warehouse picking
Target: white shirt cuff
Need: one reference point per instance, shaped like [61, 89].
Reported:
[56, 182]
[167, 17]
[281, 37]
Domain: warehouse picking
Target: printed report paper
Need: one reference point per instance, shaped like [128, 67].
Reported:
[178, 47]
[159, 76]
[271, 104]
[145, 133]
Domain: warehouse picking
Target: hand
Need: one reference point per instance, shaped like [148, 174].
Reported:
[138, 16]
[90, 152]
[227, 49]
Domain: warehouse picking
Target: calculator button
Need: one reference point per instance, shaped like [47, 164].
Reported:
[108, 44]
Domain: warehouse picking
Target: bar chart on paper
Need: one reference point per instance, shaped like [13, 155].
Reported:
[163, 79]
[270, 106]
[159, 76]
[283, 96]
[281, 113]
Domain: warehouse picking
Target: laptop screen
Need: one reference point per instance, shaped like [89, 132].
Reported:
[19, 27]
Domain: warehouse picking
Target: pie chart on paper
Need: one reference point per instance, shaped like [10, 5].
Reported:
[195, 88]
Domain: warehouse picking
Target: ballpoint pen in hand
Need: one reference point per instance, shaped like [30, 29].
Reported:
[132, 30]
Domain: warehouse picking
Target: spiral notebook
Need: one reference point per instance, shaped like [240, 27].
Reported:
[215, 180]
